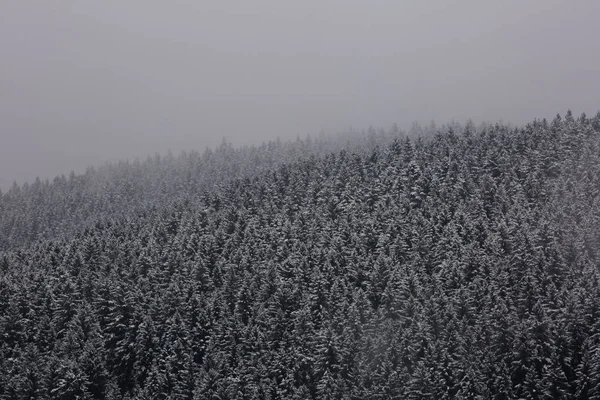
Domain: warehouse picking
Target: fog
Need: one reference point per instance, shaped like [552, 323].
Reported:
[83, 82]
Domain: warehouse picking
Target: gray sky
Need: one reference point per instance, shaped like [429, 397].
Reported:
[82, 81]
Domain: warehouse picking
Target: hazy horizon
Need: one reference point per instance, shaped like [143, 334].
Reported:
[86, 82]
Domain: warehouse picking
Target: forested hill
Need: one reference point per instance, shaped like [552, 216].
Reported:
[465, 266]
[66, 205]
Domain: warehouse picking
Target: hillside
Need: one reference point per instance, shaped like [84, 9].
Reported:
[461, 266]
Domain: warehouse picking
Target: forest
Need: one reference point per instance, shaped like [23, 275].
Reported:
[459, 263]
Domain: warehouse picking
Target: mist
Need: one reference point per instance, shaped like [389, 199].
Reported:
[85, 82]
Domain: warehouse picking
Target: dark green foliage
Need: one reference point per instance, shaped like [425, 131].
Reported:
[460, 266]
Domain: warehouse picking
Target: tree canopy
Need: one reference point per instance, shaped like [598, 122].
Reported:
[463, 265]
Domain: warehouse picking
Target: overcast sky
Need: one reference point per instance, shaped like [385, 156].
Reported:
[82, 82]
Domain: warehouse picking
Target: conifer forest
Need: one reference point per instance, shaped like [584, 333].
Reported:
[456, 262]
